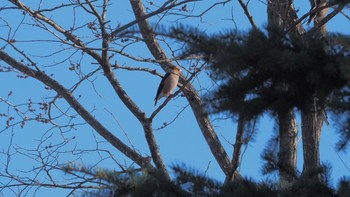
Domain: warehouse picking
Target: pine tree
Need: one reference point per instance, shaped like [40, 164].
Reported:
[187, 182]
[253, 68]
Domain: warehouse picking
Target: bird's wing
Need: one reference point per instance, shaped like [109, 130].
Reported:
[161, 86]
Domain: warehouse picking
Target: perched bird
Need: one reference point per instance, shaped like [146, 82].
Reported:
[168, 83]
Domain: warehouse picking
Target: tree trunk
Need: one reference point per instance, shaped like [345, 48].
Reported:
[312, 118]
[281, 14]
[320, 16]
[288, 133]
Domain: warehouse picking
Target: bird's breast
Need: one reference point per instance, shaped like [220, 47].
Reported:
[170, 83]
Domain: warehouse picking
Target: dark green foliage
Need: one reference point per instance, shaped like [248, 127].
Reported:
[344, 187]
[249, 188]
[270, 156]
[339, 105]
[195, 183]
[304, 187]
[340, 1]
[260, 71]
[308, 185]
[148, 183]
[190, 183]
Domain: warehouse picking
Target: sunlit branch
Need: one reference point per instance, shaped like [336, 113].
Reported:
[330, 16]
[247, 13]
[314, 11]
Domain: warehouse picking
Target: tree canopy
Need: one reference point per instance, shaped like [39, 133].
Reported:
[79, 77]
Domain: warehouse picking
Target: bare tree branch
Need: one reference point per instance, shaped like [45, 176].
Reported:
[192, 95]
[166, 6]
[330, 16]
[78, 107]
[103, 60]
[313, 11]
[236, 157]
[247, 13]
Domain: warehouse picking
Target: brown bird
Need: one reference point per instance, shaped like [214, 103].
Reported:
[168, 83]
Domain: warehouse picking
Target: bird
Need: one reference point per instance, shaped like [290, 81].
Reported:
[168, 83]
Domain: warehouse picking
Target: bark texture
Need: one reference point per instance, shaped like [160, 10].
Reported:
[320, 16]
[281, 14]
[312, 117]
[288, 133]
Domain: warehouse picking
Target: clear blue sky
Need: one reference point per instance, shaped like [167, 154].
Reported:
[180, 142]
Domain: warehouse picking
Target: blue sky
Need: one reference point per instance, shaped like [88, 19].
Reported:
[180, 142]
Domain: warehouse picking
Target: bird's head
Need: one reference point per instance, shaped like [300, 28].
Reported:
[175, 69]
